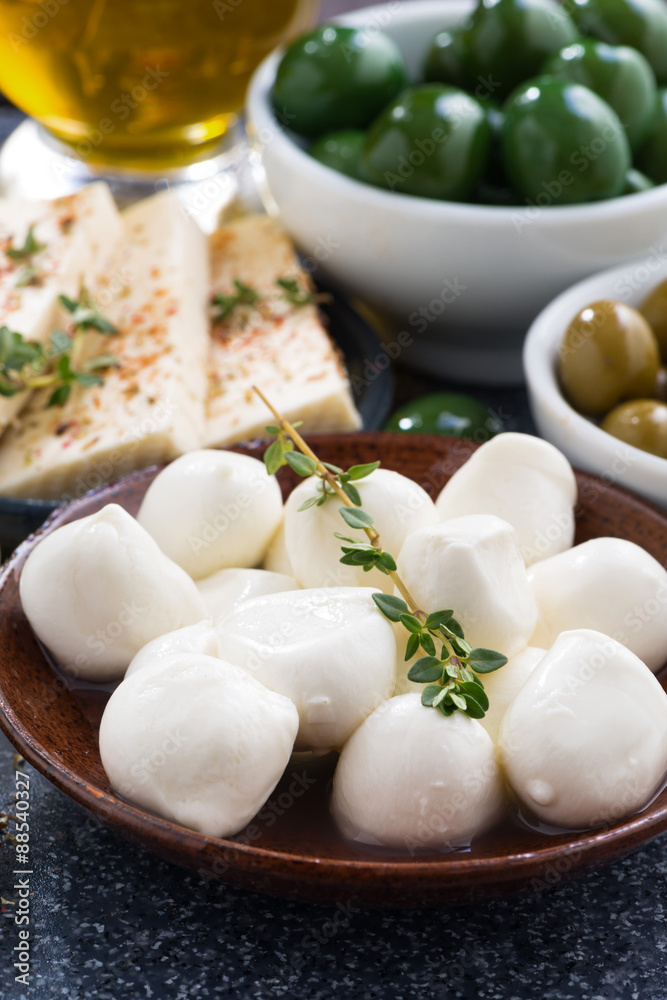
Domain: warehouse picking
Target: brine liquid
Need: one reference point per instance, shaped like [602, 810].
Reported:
[139, 83]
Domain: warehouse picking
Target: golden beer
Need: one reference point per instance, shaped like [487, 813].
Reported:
[139, 83]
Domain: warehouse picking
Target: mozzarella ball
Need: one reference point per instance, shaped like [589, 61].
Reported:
[473, 565]
[212, 510]
[229, 588]
[584, 742]
[197, 741]
[523, 480]
[502, 686]
[331, 651]
[277, 559]
[607, 584]
[96, 590]
[398, 507]
[411, 778]
[199, 638]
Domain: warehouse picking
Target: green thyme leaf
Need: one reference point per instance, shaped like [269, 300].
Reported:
[85, 315]
[411, 647]
[429, 694]
[59, 396]
[303, 465]
[86, 379]
[390, 606]
[293, 293]
[411, 623]
[272, 429]
[356, 518]
[429, 668]
[485, 661]
[427, 644]
[28, 276]
[454, 627]
[458, 700]
[352, 493]
[274, 457]
[30, 247]
[59, 342]
[361, 471]
[475, 691]
[387, 562]
[438, 618]
[102, 361]
[308, 503]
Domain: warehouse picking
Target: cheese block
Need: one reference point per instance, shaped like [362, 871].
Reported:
[279, 347]
[152, 407]
[78, 234]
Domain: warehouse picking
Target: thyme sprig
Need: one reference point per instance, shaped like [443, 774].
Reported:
[30, 247]
[244, 298]
[25, 364]
[451, 674]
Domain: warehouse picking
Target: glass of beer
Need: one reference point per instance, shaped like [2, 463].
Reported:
[139, 84]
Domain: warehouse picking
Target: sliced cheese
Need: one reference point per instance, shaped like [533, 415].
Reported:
[78, 234]
[281, 348]
[151, 408]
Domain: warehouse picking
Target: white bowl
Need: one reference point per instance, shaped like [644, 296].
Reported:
[584, 443]
[481, 273]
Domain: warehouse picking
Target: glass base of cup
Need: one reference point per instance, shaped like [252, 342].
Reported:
[33, 164]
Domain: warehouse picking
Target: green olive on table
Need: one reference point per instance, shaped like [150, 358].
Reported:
[641, 423]
[654, 311]
[562, 144]
[432, 141]
[336, 78]
[509, 40]
[621, 76]
[451, 413]
[641, 24]
[340, 151]
[609, 354]
[652, 155]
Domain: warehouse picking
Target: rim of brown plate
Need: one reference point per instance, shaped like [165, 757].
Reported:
[494, 875]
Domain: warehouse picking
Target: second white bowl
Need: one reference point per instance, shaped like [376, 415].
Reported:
[585, 444]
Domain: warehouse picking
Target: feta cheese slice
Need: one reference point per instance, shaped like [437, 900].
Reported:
[281, 348]
[78, 234]
[151, 408]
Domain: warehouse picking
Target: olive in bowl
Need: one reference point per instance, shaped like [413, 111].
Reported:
[622, 445]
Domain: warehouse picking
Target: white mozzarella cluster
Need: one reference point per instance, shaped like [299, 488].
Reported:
[230, 667]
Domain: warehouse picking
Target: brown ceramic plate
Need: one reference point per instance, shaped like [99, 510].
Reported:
[292, 847]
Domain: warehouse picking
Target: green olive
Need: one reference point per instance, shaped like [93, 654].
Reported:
[654, 311]
[336, 78]
[340, 151]
[652, 156]
[641, 24]
[450, 413]
[608, 354]
[448, 59]
[641, 423]
[621, 76]
[432, 141]
[562, 144]
[508, 41]
[660, 390]
[636, 182]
